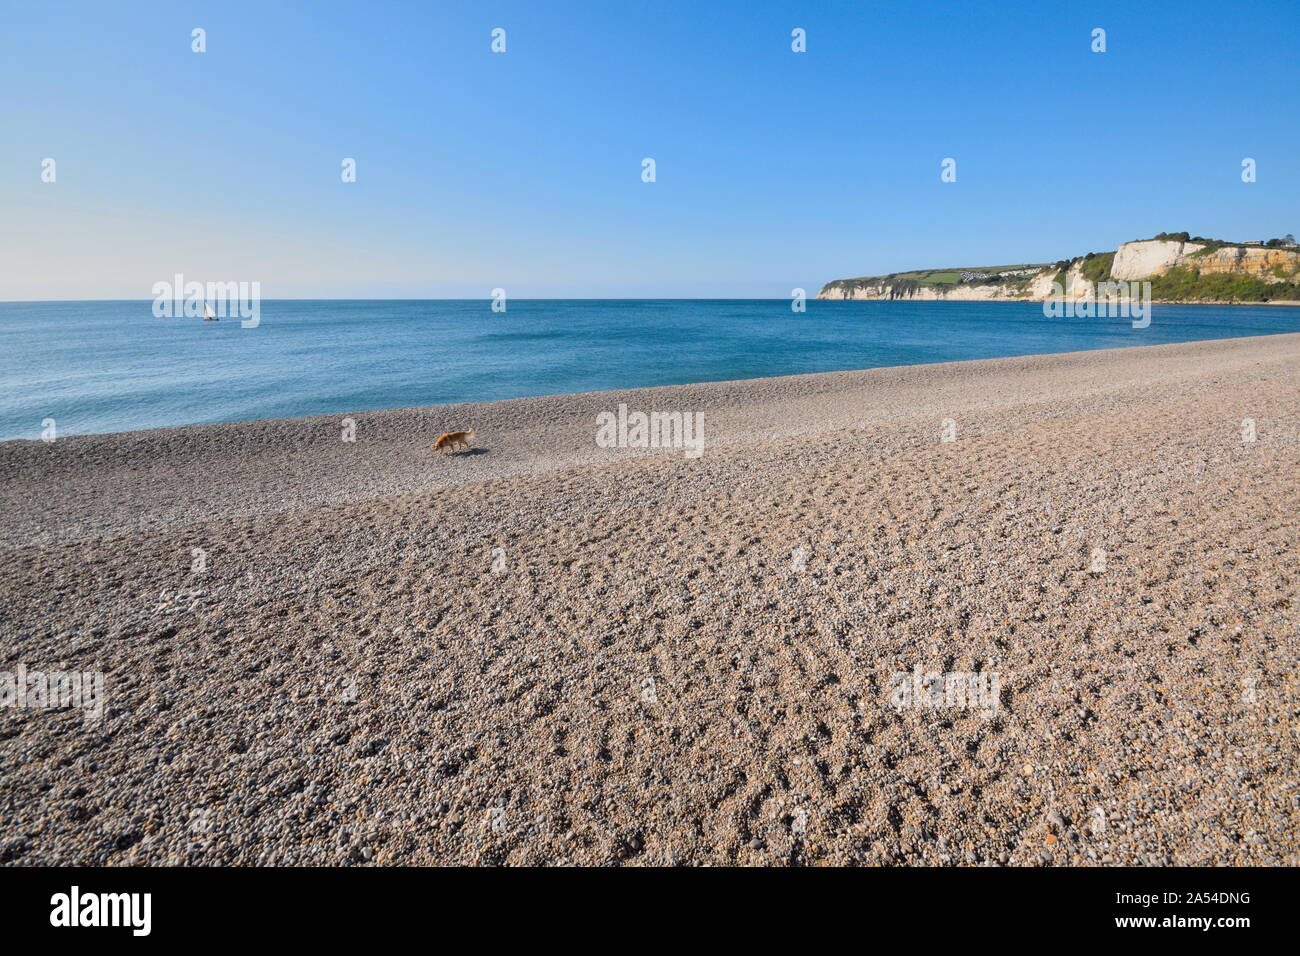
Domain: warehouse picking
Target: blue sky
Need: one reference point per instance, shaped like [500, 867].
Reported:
[522, 170]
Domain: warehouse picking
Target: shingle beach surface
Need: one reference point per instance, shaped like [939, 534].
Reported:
[548, 652]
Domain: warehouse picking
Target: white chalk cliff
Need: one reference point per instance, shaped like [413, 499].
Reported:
[1142, 260]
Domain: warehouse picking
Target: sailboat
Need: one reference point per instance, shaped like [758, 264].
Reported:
[208, 314]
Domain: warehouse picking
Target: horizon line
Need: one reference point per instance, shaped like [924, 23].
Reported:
[565, 298]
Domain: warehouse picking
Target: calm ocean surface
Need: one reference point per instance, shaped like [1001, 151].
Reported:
[113, 366]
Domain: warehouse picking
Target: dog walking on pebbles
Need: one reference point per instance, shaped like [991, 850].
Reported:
[452, 439]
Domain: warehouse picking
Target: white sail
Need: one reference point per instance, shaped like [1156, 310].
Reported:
[207, 312]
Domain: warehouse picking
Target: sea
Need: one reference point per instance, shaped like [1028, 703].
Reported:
[115, 366]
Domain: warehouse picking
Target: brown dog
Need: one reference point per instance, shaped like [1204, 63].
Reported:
[452, 439]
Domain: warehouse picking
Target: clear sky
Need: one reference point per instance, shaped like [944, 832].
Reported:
[522, 170]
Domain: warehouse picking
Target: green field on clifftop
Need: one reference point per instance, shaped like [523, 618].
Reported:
[946, 276]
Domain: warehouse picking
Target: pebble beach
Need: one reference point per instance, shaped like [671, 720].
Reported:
[322, 643]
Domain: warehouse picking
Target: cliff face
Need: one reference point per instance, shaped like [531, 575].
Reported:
[1037, 287]
[1133, 261]
[851, 289]
[1247, 260]
[1141, 260]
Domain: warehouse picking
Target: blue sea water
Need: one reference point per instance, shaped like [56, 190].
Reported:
[113, 366]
